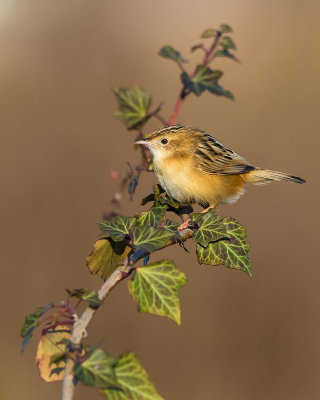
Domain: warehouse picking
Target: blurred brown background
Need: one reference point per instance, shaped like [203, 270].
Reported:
[240, 338]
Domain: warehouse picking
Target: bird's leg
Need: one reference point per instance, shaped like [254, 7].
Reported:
[185, 224]
[207, 209]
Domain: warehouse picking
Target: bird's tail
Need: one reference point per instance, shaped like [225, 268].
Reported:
[264, 176]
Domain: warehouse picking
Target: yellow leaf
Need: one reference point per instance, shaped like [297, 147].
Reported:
[50, 348]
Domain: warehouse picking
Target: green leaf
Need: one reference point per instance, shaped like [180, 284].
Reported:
[167, 200]
[93, 298]
[196, 47]
[208, 33]
[118, 227]
[106, 256]
[220, 91]
[134, 104]
[204, 79]
[232, 253]
[157, 190]
[97, 370]
[154, 216]
[77, 293]
[133, 380]
[212, 228]
[225, 53]
[172, 54]
[90, 296]
[156, 287]
[172, 227]
[31, 321]
[227, 43]
[224, 28]
[149, 238]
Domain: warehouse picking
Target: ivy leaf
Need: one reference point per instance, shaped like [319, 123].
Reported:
[97, 370]
[208, 33]
[196, 47]
[133, 380]
[50, 355]
[172, 54]
[224, 28]
[149, 238]
[227, 43]
[167, 200]
[154, 216]
[157, 190]
[77, 293]
[93, 298]
[156, 287]
[226, 53]
[31, 321]
[232, 253]
[212, 228]
[205, 79]
[134, 104]
[118, 227]
[172, 227]
[220, 91]
[106, 256]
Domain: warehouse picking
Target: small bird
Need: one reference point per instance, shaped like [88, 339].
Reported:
[194, 167]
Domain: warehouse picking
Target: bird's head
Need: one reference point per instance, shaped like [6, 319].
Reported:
[171, 141]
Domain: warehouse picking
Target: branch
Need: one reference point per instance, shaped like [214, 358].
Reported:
[79, 327]
[184, 92]
[206, 58]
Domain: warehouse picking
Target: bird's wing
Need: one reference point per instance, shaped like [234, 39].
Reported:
[213, 157]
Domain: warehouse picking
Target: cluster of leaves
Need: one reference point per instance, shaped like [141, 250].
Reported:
[122, 378]
[126, 241]
[134, 103]
[155, 286]
[204, 78]
[118, 379]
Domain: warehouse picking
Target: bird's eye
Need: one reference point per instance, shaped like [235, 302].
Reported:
[164, 141]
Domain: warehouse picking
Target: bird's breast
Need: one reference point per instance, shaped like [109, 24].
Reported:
[180, 179]
[183, 181]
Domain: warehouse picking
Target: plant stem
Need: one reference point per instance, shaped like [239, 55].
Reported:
[80, 324]
[182, 95]
[206, 58]
[122, 272]
[181, 66]
[184, 91]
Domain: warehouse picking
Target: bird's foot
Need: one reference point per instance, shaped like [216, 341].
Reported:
[188, 222]
[207, 209]
[184, 225]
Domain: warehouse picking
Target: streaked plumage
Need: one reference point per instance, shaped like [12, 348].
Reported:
[194, 167]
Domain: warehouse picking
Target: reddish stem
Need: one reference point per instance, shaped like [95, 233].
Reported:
[206, 58]
[181, 66]
[59, 323]
[184, 93]
[177, 107]
[77, 304]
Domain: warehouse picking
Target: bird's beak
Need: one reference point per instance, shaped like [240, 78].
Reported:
[145, 142]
